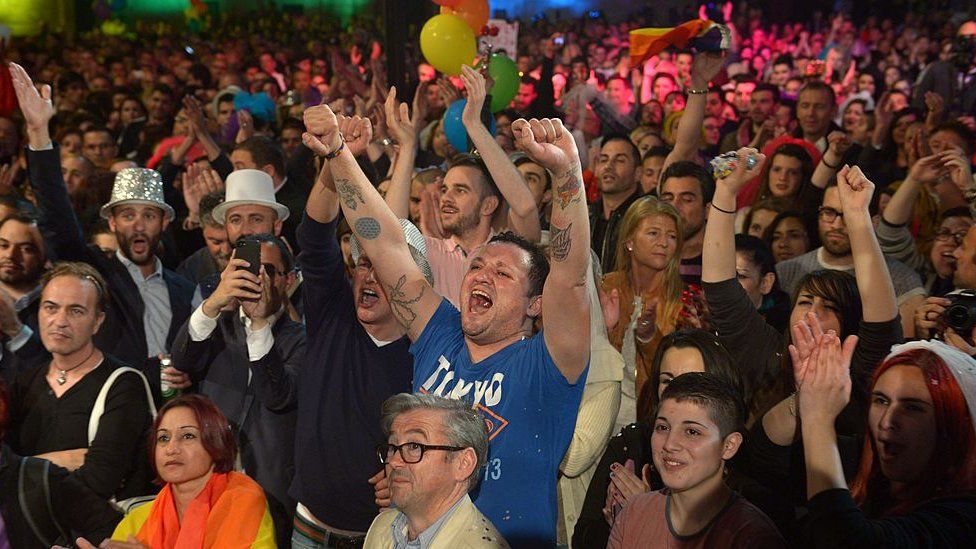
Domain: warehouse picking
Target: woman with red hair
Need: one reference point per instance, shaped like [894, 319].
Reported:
[916, 486]
[204, 503]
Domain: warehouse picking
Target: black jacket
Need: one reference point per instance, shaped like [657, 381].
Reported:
[122, 334]
[78, 511]
[606, 248]
[260, 400]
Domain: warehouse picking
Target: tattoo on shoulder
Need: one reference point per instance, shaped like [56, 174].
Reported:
[350, 195]
[367, 227]
[560, 241]
[402, 304]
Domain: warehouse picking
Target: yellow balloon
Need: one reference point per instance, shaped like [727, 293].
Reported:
[448, 43]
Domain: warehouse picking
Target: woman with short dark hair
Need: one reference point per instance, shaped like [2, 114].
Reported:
[204, 502]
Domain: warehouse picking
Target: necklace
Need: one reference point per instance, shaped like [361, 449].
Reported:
[63, 374]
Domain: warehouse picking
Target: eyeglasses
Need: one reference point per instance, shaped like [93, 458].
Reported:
[828, 214]
[410, 452]
[944, 235]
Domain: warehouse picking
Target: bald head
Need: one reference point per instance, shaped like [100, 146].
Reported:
[967, 29]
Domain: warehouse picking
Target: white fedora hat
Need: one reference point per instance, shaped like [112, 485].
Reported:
[138, 186]
[249, 187]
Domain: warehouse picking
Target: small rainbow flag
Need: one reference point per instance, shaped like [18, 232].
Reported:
[701, 34]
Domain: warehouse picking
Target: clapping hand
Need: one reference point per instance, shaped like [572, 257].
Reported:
[474, 84]
[825, 387]
[401, 126]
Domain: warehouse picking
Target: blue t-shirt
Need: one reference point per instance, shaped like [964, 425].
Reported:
[530, 410]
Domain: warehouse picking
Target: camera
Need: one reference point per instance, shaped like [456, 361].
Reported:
[960, 315]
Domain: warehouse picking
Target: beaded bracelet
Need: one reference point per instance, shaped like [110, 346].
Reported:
[335, 153]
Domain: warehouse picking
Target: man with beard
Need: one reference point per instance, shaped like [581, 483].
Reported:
[212, 258]
[22, 260]
[835, 254]
[618, 174]
[528, 386]
[689, 188]
[474, 191]
[148, 303]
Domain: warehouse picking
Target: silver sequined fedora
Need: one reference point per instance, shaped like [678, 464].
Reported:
[138, 186]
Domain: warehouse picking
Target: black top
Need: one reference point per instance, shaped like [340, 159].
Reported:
[603, 232]
[78, 510]
[341, 388]
[835, 521]
[117, 463]
[757, 351]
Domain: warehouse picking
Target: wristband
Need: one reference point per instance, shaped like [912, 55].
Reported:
[335, 153]
[723, 211]
[823, 159]
[692, 91]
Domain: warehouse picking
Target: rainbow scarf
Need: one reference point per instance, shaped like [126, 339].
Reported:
[700, 34]
[230, 511]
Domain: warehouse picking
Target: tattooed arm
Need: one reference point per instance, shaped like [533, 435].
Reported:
[565, 305]
[376, 228]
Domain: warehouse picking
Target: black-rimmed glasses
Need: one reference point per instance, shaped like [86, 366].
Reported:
[410, 452]
[944, 235]
[828, 214]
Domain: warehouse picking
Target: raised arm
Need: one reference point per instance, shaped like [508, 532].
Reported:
[523, 216]
[703, 70]
[565, 305]
[873, 280]
[59, 222]
[374, 225]
[404, 131]
[718, 249]
[837, 145]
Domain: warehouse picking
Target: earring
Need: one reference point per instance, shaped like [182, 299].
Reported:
[630, 248]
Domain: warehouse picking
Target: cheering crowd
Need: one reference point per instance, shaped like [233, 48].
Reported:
[253, 296]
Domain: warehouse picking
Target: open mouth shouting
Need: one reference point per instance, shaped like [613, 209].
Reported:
[479, 301]
[368, 297]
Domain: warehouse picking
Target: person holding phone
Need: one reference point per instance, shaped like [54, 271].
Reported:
[246, 317]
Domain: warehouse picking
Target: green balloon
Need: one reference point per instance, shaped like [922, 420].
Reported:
[506, 77]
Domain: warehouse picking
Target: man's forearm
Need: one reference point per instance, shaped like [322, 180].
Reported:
[374, 224]
[398, 195]
[718, 251]
[899, 209]
[510, 183]
[323, 204]
[871, 271]
[570, 224]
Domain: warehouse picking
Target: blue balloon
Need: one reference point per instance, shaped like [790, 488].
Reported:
[457, 136]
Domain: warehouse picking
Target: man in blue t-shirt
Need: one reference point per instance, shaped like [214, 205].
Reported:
[527, 387]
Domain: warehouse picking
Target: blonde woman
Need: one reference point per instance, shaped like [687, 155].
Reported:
[650, 292]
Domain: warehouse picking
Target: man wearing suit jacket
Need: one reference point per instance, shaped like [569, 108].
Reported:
[244, 322]
[148, 303]
[428, 488]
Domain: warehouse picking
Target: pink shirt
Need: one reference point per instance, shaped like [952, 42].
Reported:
[644, 523]
[448, 263]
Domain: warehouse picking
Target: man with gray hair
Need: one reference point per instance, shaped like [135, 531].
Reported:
[433, 508]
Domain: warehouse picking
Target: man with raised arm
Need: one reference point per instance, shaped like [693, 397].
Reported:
[527, 386]
[475, 188]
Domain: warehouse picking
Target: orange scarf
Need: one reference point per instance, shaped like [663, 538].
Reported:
[211, 520]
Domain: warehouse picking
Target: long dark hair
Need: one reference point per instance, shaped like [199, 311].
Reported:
[714, 355]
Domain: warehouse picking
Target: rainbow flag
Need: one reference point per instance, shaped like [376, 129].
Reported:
[700, 34]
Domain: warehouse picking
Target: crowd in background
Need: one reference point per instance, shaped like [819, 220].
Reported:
[246, 282]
